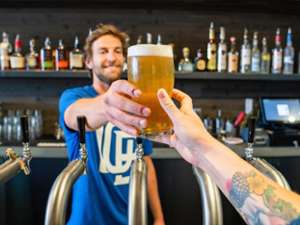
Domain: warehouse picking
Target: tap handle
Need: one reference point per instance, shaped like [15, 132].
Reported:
[81, 121]
[251, 126]
[139, 140]
[25, 130]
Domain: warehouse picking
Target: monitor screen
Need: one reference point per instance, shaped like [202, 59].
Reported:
[281, 110]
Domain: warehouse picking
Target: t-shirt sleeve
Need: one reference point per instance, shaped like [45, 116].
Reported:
[148, 147]
[71, 136]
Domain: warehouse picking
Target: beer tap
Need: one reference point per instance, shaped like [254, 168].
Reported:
[137, 212]
[17, 163]
[58, 198]
[260, 164]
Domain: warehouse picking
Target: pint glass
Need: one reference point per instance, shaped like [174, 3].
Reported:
[151, 67]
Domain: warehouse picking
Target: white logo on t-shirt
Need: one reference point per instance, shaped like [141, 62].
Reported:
[123, 159]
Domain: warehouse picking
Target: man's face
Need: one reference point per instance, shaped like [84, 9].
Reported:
[107, 59]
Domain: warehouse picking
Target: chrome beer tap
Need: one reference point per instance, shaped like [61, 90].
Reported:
[60, 192]
[260, 164]
[16, 163]
[137, 212]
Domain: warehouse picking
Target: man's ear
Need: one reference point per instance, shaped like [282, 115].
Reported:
[89, 63]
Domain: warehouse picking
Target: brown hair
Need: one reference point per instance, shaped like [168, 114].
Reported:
[101, 30]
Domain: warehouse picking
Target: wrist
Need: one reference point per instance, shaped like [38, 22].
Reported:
[101, 109]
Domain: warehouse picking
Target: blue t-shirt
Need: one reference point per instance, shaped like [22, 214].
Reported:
[101, 196]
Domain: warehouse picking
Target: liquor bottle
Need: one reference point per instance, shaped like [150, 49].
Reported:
[185, 64]
[76, 57]
[211, 50]
[149, 38]
[277, 54]
[289, 54]
[255, 55]
[47, 61]
[233, 57]
[245, 54]
[199, 61]
[158, 40]
[32, 58]
[61, 57]
[17, 60]
[222, 52]
[139, 40]
[265, 57]
[5, 50]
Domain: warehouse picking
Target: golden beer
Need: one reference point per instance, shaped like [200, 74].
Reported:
[151, 67]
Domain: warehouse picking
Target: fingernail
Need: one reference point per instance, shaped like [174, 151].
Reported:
[137, 92]
[146, 111]
[161, 93]
[143, 123]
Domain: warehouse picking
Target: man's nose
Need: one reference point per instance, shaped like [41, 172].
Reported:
[111, 57]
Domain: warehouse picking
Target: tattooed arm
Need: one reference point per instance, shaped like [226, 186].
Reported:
[258, 199]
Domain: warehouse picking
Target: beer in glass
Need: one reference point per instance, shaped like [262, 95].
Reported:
[151, 67]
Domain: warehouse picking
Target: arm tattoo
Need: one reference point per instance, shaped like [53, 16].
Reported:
[258, 201]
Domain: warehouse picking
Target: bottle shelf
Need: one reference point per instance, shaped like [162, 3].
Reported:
[178, 75]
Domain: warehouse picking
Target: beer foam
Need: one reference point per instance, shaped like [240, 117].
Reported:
[150, 50]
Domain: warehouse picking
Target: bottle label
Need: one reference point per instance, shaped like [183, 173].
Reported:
[288, 60]
[222, 58]
[17, 62]
[76, 61]
[246, 57]
[255, 66]
[277, 60]
[4, 62]
[266, 57]
[62, 64]
[48, 64]
[233, 63]
[211, 57]
[200, 65]
[32, 62]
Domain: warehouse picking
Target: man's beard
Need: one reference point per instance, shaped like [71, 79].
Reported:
[106, 79]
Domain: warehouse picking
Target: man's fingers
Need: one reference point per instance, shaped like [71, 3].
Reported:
[167, 104]
[127, 105]
[126, 118]
[126, 128]
[124, 87]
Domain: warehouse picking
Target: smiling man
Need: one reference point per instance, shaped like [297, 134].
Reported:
[101, 196]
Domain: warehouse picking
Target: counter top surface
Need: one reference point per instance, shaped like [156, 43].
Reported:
[163, 152]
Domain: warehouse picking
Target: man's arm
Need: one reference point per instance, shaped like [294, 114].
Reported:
[153, 194]
[115, 105]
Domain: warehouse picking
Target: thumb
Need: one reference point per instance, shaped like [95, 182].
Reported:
[167, 104]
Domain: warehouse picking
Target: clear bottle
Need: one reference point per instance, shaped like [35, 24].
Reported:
[265, 57]
[17, 59]
[5, 50]
[32, 57]
[245, 54]
[289, 54]
[47, 59]
[185, 64]
[149, 38]
[212, 50]
[158, 42]
[199, 61]
[233, 57]
[61, 57]
[255, 55]
[139, 40]
[76, 57]
[277, 54]
[222, 52]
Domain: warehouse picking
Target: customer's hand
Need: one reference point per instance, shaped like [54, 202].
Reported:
[190, 137]
[121, 110]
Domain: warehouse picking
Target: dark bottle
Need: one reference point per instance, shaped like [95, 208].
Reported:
[199, 61]
[61, 57]
[47, 61]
